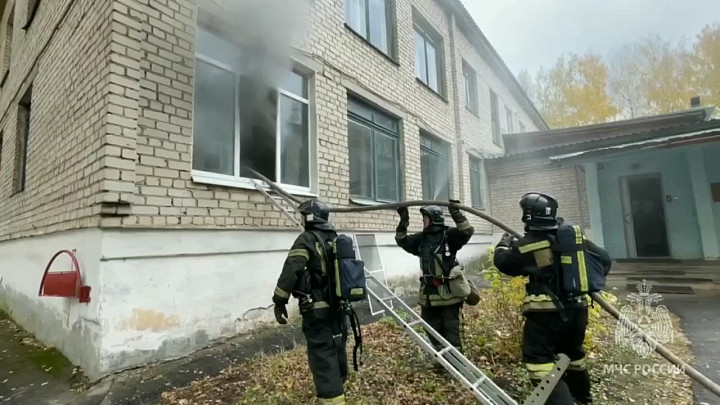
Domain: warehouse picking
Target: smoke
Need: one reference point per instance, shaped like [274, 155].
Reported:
[266, 31]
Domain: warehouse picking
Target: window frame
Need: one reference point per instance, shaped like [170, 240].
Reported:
[431, 35]
[510, 120]
[522, 127]
[22, 143]
[391, 23]
[472, 102]
[236, 180]
[477, 167]
[423, 148]
[397, 136]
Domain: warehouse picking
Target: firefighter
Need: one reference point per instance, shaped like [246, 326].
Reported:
[304, 276]
[437, 246]
[554, 322]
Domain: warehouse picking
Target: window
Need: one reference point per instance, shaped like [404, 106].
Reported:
[372, 20]
[471, 95]
[242, 124]
[435, 168]
[374, 153]
[7, 47]
[23, 140]
[509, 115]
[476, 182]
[495, 116]
[522, 127]
[429, 57]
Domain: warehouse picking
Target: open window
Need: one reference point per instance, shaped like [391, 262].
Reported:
[271, 135]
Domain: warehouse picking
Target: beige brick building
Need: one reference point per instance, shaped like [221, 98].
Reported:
[126, 126]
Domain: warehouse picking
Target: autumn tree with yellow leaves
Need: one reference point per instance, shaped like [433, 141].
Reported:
[646, 78]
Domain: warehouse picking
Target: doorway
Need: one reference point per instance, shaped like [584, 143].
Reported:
[644, 216]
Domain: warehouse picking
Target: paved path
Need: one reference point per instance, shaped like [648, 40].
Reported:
[699, 310]
[700, 314]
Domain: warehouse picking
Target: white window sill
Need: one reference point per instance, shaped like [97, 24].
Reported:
[368, 202]
[243, 183]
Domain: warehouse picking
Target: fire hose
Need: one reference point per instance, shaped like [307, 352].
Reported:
[659, 348]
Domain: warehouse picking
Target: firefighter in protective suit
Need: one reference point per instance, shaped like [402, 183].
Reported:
[304, 276]
[437, 246]
[554, 322]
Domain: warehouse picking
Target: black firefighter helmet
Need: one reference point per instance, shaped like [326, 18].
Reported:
[316, 214]
[435, 213]
[539, 211]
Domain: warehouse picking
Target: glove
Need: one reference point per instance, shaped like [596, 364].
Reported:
[506, 240]
[281, 314]
[404, 214]
[454, 211]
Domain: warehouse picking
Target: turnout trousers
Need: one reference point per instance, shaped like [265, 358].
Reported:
[446, 321]
[545, 335]
[326, 335]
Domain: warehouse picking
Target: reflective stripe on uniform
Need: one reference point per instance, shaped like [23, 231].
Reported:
[299, 253]
[582, 266]
[333, 401]
[320, 305]
[534, 246]
[566, 259]
[539, 370]
[321, 253]
[537, 298]
[464, 225]
[539, 302]
[281, 293]
[577, 364]
[401, 235]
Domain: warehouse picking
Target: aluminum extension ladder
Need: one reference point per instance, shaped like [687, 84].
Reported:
[462, 369]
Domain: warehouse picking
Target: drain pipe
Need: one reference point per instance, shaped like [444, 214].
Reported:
[659, 348]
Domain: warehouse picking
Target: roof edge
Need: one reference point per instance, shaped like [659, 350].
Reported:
[498, 65]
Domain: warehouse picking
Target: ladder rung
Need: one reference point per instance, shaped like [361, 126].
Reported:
[445, 350]
[413, 323]
[479, 381]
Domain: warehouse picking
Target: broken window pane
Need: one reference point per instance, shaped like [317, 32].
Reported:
[258, 128]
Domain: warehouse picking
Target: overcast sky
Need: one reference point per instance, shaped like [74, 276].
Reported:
[533, 33]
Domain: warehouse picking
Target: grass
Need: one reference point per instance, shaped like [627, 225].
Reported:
[396, 371]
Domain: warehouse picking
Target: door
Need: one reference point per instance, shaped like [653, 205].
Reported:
[644, 215]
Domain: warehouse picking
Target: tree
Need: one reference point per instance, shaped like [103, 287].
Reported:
[574, 92]
[707, 61]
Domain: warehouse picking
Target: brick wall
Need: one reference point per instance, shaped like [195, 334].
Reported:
[63, 55]
[125, 119]
[511, 178]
